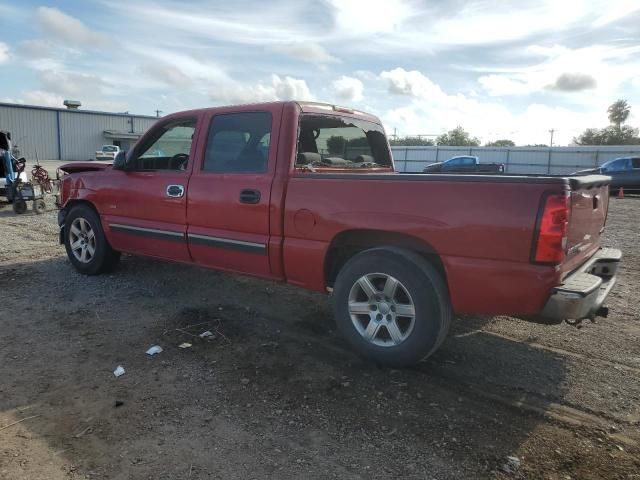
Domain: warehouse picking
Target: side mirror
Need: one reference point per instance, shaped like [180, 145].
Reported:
[120, 162]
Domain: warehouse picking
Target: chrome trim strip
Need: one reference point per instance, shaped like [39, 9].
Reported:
[227, 240]
[150, 232]
[220, 242]
[228, 243]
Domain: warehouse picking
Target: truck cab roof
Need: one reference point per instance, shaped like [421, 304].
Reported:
[303, 106]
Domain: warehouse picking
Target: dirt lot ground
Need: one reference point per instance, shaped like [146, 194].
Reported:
[275, 393]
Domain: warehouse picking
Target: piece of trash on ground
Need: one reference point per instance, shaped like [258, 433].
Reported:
[155, 349]
[185, 345]
[206, 334]
[118, 372]
[512, 464]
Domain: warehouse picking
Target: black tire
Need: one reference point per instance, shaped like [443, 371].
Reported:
[429, 295]
[39, 206]
[19, 206]
[104, 258]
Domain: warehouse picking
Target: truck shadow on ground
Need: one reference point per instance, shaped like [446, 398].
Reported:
[273, 368]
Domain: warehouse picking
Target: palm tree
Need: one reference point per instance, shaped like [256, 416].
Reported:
[619, 112]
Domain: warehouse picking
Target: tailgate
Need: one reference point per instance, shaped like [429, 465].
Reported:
[589, 206]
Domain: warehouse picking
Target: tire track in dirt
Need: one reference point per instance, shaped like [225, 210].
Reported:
[519, 402]
[560, 351]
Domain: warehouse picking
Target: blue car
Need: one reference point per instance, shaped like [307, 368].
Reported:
[624, 172]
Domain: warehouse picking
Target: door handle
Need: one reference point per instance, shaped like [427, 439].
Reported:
[250, 196]
[175, 191]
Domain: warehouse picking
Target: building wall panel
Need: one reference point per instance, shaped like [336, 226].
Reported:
[33, 130]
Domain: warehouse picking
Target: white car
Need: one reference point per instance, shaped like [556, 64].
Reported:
[108, 152]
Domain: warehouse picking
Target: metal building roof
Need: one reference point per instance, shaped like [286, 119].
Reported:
[69, 110]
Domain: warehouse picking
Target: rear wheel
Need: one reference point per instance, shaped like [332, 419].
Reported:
[392, 306]
[86, 244]
[39, 206]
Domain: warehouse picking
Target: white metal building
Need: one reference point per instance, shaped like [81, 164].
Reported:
[69, 134]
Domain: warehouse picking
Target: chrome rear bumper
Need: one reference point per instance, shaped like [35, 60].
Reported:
[582, 294]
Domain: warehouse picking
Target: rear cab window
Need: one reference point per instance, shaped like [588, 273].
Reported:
[338, 143]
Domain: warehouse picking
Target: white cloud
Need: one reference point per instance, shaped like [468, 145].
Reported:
[307, 52]
[177, 66]
[169, 74]
[286, 88]
[72, 83]
[363, 17]
[348, 89]
[4, 52]
[410, 83]
[68, 29]
[433, 111]
[36, 49]
[498, 85]
[40, 97]
[597, 68]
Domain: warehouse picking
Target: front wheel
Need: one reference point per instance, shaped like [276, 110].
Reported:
[19, 206]
[86, 244]
[392, 306]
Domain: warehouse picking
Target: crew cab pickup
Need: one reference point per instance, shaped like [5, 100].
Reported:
[306, 193]
[464, 164]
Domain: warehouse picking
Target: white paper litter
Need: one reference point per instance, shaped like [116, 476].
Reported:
[118, 372]
[155, 349]
[206, 334]
[184, 345]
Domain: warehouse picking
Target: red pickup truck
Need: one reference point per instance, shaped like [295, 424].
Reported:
[306, 193]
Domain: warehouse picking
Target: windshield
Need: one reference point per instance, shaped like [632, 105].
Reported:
[109, 148]
[330, 141]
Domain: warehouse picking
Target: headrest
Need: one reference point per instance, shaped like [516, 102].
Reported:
[307, 158]
[365, 159]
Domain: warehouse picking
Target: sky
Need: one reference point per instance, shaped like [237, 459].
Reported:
[500, 69]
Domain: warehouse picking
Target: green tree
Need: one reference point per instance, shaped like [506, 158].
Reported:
[611, 135]
[591, 136]
[619, 112]
[336, 145]
[501, 143]
[411, 142]
[458, 137]
[614, 134]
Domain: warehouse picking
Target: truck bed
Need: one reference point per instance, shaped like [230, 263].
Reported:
[481, 226]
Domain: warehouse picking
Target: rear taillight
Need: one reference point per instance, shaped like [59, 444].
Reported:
[552, 227]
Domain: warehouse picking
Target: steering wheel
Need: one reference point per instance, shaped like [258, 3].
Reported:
[179, 161]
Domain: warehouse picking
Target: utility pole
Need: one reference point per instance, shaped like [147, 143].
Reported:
[551, 132]
[158, 112]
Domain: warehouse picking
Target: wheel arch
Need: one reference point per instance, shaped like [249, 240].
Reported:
[348, 243]
[64, 211]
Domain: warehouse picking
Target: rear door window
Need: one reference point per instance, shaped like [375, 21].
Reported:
[635, 163]
[238, 143]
